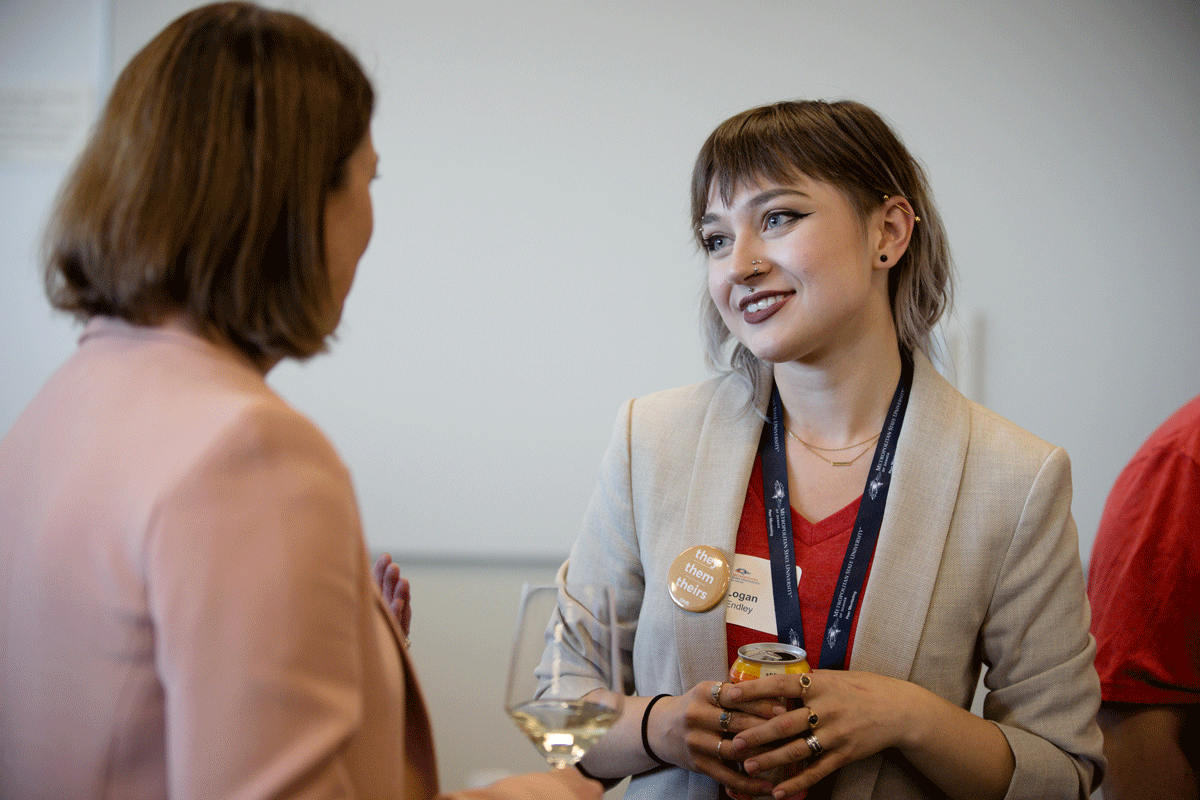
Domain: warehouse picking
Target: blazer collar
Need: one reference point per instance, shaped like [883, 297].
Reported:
[720, 474]
[930, 455]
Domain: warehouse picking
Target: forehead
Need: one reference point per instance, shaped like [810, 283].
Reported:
[723, 197]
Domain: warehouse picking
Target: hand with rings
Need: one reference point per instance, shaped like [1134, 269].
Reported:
[696, 730]
[838, 717]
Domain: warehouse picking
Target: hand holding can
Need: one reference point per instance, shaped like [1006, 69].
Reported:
[759, 660]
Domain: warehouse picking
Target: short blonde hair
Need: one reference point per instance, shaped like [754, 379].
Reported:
[847, 144]
[203, 187]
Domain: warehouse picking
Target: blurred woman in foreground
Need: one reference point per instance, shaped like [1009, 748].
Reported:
[189, 610]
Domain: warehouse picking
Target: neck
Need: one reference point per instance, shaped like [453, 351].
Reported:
[839, 401]
[181, 322]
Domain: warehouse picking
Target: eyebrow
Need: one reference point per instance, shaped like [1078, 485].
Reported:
[760, 199]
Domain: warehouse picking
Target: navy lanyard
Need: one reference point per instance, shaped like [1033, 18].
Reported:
[772, 449]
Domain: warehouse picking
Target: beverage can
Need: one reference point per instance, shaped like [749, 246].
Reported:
[759, 660]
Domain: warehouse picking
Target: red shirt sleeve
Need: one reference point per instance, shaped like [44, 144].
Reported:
[1143, 579]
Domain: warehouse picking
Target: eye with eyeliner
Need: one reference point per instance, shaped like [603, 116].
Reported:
[780, 217]
[714, 242]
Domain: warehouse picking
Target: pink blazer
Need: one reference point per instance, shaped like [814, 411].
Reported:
[186, 604]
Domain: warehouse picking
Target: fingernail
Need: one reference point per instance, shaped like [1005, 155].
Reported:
[751, 766]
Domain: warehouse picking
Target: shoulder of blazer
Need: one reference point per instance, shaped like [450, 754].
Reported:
[678, 416]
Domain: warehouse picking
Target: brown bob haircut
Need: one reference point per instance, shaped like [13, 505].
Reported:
[848, 145]
[202, 189]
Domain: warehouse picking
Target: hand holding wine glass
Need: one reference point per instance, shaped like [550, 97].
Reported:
[562, 713]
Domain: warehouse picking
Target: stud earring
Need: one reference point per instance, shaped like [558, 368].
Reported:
[883, 258]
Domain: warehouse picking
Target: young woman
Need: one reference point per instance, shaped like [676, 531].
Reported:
[854, 503]
[188, 607]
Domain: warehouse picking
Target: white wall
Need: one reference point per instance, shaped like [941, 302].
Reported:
[532, 268]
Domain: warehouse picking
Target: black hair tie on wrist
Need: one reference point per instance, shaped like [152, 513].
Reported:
[646, 725]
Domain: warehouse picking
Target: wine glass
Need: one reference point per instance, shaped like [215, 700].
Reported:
[554, 644]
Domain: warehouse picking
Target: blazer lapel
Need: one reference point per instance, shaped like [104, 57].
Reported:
[926, 475]
[420, 778]
[928, 468]
[724, 459]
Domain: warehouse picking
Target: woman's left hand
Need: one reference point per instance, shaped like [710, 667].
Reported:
[847, 715]
[396, 591]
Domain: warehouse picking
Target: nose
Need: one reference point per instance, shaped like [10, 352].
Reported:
[747, 269]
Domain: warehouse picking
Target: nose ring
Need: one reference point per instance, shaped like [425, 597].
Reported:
[753, 264]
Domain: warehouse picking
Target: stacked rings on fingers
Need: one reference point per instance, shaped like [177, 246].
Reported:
[724, 719]
[716, 694]
[813, 719]
[814, 745]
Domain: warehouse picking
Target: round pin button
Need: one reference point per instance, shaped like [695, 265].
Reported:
[699, 578]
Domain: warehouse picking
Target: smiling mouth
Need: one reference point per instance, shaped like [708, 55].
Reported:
[764, 303]
[757, 307]
[761, 301]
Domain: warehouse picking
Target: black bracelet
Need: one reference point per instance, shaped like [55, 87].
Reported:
[646, 725]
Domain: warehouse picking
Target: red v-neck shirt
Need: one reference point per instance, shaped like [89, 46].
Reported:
[819, 547]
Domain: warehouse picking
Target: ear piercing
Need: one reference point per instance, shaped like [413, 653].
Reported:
[906, 211]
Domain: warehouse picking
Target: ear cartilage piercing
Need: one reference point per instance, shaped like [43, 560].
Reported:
[906, 211]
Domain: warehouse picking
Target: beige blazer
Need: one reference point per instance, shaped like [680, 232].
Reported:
[977, 563]
[186, 604]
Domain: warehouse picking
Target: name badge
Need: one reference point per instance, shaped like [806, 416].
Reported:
[750, 602]
[699, 578]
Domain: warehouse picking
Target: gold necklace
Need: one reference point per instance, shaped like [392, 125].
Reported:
[813, 449]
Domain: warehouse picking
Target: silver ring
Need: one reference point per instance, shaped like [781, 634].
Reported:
[814, 745]
[716, 694]
[719, 743]
[726, 715]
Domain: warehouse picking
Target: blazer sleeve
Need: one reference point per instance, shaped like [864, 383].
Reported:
[1043, 690]
[255, 582]
[605, 552]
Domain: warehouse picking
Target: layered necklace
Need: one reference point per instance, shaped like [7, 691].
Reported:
[865, 444]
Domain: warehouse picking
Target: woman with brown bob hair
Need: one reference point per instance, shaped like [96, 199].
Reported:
[206, 200]
[831, 503]
[189, 610]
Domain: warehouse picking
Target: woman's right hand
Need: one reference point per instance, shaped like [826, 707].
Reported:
[688, 731]
[397, 593]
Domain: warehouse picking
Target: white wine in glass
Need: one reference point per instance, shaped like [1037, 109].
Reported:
[558, 650]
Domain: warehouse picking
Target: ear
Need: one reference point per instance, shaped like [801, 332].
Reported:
[893, 228]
